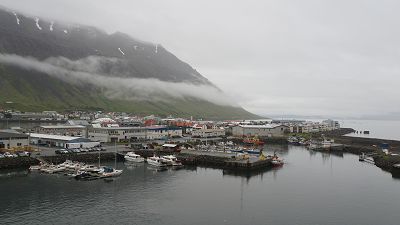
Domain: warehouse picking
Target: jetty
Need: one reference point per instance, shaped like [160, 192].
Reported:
[222, 160]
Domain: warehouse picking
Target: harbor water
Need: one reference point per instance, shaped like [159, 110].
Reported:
[311, 188]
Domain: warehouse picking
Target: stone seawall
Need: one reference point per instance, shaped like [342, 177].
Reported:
[17, 162]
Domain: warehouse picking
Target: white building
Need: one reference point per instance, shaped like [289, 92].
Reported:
[112, 134]
[62, 141]
[267, 130]
[9, 140]
[331, 124]
[215, 132]
[68, 130]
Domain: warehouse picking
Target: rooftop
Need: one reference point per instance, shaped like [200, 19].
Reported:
[12, 135]
[62, 126]
[265, 126]
[54, 137]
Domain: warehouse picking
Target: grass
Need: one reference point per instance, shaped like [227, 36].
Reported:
[31, 91]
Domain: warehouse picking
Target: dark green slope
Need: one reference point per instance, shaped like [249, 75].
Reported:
[32, 91]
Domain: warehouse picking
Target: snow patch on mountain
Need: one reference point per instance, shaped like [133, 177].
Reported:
[119, 49]
[37, 23]
[16, 17]
[51, 25]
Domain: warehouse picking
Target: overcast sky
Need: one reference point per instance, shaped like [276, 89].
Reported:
[309, 57]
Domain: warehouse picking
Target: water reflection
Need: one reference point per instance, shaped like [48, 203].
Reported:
[248, 174]
[12, 173]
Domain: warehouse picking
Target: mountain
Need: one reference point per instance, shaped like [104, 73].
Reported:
[49, 65]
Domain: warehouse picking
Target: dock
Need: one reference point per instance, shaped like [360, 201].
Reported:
[222, 160]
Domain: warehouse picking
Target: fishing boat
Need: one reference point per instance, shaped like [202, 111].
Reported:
[276, 161]
[132, 157]
[156, 161]
[253, 141]
[172, 160]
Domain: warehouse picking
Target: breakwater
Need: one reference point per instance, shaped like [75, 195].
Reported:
[17, 162]
[221, 161]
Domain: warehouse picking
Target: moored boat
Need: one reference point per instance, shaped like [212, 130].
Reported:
[156, 161]
[253, 151]
[107, 172]
[172, 160]
[132, 157]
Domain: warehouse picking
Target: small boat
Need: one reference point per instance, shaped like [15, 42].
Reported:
[276, 161]
[362, 157]
[253, 151]
[53, 169]
[132, 157]
[156, 161]
[107, 172]
[37, 167]
[172, 160]
[89, 168]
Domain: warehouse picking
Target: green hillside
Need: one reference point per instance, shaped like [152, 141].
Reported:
[31, 91]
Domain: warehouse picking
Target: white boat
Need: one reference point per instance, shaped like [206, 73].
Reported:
[107, 172]
[37, 167]
[132, 157]
[53, 169]
[89, 168]
[156, 161]
[171, 160]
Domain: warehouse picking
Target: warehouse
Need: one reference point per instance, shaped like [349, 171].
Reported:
[62, 141]
[69, 130]
[121, 134]
[13, 140]
[267, 130]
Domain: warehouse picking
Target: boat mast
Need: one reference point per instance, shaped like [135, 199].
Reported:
[115, 146]
[99, 157]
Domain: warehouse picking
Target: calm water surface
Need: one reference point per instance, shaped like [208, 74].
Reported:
[312, 188]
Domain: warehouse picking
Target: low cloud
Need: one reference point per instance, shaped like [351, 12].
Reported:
[89, 71]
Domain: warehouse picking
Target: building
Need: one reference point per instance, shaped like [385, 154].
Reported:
[126, 134]
[332, 124]
[267, 130]
[62, 141]
[213, 132]
[13, 140]
[68, 130]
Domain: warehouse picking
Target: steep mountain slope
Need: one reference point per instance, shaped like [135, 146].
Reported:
[74, 49]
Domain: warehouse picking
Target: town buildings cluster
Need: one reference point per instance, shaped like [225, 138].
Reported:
[84, 129]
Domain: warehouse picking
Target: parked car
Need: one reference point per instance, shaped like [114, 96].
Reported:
[9, 155]
[1, 156]
[102, 149]
[83, 150]
[23, 154]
